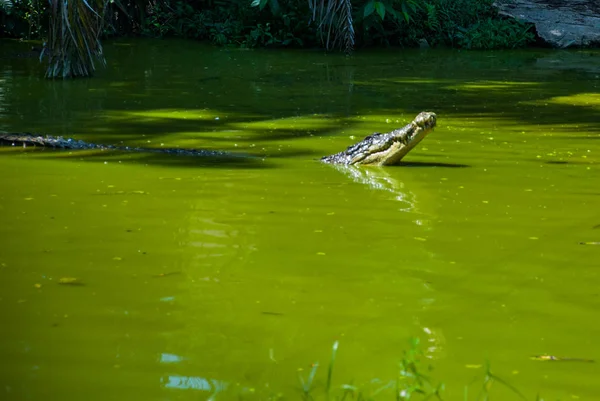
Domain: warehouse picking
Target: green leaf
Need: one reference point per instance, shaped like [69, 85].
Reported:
[405, 12]
[274, 5]
[391, 11]
[369, 8]
[255, 3]
[380, 7]
[413, 5]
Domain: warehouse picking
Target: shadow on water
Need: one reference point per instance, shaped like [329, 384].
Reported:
[432, 164]
[166, 160]
[186, 94]
[570, 162]
[585, 138]
[228, 161]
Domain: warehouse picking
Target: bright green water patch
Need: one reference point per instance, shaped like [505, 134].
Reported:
[200, 273]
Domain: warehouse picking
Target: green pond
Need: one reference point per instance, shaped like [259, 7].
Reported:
[235, 274]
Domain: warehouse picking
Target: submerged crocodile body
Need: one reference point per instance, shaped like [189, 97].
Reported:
[376, 149]
[26, 139]
[386, 149]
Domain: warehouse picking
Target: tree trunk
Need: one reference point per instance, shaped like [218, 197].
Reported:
[74, 38]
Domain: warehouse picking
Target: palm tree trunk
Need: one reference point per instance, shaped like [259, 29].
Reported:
[74, 38]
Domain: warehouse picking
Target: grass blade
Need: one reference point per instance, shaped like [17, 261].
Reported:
[331, 364]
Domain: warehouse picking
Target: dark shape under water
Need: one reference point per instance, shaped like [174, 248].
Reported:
[27, 139]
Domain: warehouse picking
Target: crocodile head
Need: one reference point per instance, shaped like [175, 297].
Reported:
[389, 148]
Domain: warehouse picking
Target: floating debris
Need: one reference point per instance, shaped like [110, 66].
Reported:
[70, 281]
[272, 313]
[166, 274]
[559, 359]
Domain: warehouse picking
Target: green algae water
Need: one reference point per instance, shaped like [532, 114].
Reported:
[230, 276]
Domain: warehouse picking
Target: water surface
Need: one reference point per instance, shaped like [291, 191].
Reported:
[235, 272]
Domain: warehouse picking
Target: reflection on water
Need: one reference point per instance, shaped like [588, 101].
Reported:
[380, 178]
[194, 383]
[170, 358]
[180, 382]
[218, 242]
[5, 77]
[435, 343]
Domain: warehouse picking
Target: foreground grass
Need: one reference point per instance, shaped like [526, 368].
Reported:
[412, 383]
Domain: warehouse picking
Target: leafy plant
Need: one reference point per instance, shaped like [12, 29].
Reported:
[25, 18]
[432, 21]
[495, 34]
[262, 35]
[335, 24]
[273, 5]
[413, 382]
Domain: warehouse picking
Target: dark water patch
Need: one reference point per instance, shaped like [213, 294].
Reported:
[585, 138]
[432, 164]
[164, 160]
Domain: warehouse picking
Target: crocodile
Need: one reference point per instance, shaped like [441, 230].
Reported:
[27, 139]
[386, 149]
[376, 149]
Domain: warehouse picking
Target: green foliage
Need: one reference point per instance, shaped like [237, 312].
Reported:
[413, 382]
[470, 24]
[262, 36]
[24, 18]
[336, 24]
[494, 34]
[400, 10]
[382, 21]
[273, 5]
[230, 23]
[432, 22]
